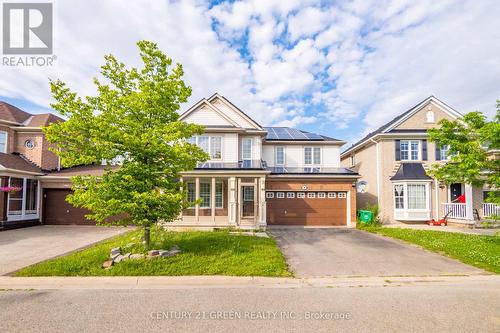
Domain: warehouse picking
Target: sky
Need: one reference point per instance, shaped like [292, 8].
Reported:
[338, 68]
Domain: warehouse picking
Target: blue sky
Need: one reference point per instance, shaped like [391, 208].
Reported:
[339, 68]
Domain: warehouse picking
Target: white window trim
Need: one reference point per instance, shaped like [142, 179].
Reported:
[290, 195]
[6, 141]
[407, 210]
[196, 142]
[269, 195]
[312, 164]
[311, 195]
[210, 197]
[280, 195]
[276, 156]
[332, 195]
[321, 195]
[419, 150]
[222, 194]
[24, 215]
[342, 195]
[251, 149]
[448, 155]
[301, 195]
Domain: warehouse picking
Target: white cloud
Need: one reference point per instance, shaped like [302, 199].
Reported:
[349, 64]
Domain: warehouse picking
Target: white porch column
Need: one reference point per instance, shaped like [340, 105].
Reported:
[232, 200]
[212, 200]
[197, 196]
[469, 203]
[262, 202]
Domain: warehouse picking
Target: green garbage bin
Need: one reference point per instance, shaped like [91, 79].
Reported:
[365, 216]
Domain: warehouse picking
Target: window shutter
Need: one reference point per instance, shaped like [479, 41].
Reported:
[398, 150]
[424, 150]
[438, 151]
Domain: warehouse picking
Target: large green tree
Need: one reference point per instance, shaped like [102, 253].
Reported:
[473, 145]
[133, 118]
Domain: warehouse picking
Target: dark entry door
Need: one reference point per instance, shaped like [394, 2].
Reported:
[455, 191]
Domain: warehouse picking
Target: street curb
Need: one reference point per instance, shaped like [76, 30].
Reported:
[214, 282]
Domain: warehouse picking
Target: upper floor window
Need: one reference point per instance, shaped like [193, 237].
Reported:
[246, 148]
[312, 155]
[442, 152]
[352, 161]
[3, 142]
[211, 145]
[409, 150]
[280, 155]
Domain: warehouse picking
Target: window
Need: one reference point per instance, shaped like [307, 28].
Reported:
[409, 150]
[399, 201]
[30, 205]
[269, 195]
[331, 195]
[205, 193]
[416, 196]
[280, 155]
[280, 195]
[3, 142]
[352, 160]
[444, 153]
[16, 197]
[211, 145]
[311, 195]
[301, 195]
[342, 195]
[312, 155]
[219, 194]
[203, 143]
[290, 195]
[191, 191]
[216, 147]
[246, 148]
[430, 116]
[321, 195]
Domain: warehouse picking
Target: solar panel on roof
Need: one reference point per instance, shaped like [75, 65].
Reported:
[312, 136]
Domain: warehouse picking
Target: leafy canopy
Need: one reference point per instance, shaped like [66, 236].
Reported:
[132, 118]
[473, 145]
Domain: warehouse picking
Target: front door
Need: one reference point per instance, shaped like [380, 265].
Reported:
[247, 201]
[455, 191]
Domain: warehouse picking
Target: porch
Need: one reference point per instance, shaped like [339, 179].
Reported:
[461, 211]
[222, 201]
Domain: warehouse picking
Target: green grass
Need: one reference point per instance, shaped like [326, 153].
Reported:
[476, 250]
[203, 253]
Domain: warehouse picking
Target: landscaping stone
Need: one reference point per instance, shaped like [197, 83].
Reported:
[115, 250]
[136, 256]
[118, 258]
[107, 264]
[153, 253]
[114, 256]
[126, 256]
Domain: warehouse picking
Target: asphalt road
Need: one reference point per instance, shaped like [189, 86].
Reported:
[424, 307]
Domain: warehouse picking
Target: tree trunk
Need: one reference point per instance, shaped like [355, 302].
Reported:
[147, 237]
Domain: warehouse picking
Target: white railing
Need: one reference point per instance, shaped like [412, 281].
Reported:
[455, 210]
[491, 209]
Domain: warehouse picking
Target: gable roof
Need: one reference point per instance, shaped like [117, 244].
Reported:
[404, 116]
[205, 103]
[235, 108]
[44, 119]
[293, 134]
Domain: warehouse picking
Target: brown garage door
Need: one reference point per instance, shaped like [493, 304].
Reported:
[57, 211]
[306, 208]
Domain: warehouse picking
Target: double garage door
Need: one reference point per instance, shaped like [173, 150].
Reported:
[314, 208]
[57, 211]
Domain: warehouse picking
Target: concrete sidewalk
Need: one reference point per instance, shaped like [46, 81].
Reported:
[449, 228]
[204, 282]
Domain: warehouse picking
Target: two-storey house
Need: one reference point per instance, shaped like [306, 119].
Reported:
[256, 176]
[393, 162]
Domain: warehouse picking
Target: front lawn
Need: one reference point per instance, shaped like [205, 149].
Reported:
[203, 253]
[475, 250]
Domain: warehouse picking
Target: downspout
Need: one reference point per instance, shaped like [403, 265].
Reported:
[436, 190]
[378, 173]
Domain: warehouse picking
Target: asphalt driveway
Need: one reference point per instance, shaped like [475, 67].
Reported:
[351, 252]
[23, 247]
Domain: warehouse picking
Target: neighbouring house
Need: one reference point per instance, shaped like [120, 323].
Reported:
[393, 162]
[257, 176]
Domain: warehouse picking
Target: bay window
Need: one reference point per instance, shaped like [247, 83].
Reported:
[411, 201]
[22, 203]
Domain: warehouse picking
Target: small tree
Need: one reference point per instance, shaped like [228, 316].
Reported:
[134, 119]
[472, 141]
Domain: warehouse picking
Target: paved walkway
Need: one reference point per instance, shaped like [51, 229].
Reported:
[352, 252]
[449, 228]
[23, 247]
